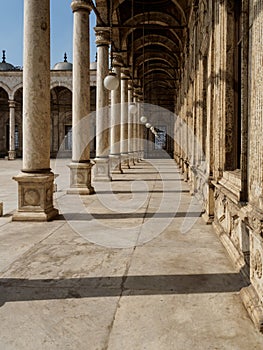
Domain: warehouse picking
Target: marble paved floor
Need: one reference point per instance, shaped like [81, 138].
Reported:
[132, 267]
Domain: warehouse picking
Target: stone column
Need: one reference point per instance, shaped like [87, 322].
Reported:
[102, 169]
[35, 182]
[130, 128]
[141, 140]
[115, 110]
[80, 167]
[12, 122]
[141, 144]
[135, 130]
[124, 118]
[139, 135]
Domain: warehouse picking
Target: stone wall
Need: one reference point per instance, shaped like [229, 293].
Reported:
[221, 103]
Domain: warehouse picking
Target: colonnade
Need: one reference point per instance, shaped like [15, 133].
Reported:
[115, 130]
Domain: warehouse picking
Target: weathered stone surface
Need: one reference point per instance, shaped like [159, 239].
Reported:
[177, 291]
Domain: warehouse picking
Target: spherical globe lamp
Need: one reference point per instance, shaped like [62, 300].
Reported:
[111, 82]
[143, 119]
[148, 125]
[132, 108]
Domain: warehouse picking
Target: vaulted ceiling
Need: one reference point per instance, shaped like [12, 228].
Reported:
[150, 35]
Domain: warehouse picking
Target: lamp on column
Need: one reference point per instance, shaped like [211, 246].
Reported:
[143, 119]
[111, 82]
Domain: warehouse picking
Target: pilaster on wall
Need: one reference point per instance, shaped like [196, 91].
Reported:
[219, 86]
[208, 215]
[253, 295]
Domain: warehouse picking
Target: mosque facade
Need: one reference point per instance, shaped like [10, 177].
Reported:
[11, 89]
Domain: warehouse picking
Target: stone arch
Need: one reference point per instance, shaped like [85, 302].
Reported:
[4, 120]
[167, 61]
[176, 3]
[60, 118]
[18, 98]
[57, 83]
[6, 88]
[156, 18]
[15, 89]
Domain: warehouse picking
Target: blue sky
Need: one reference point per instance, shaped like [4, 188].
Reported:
[11, 31]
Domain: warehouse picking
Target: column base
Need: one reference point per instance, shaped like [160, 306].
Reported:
[131, 159]
[80, 179]
[141, 155]
[125, 160]
[102, 170]
[186, 171]
[35, 197]
[115, 163]
[208, 215]
[11, 155]
[253, 306]
[136, 157]
[208, 219]
[181, 164]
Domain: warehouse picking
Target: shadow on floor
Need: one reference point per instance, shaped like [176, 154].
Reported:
[134, 191]
[117, 216]
[15, 289]
[136, 179]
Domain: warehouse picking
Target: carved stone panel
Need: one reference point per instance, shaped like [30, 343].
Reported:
[256, 257]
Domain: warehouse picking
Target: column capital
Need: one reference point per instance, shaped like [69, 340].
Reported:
[102, 36]
[130, 87]
[117, 59]
[137, 91]
[125, 73]
[12, 103]
[77, 5]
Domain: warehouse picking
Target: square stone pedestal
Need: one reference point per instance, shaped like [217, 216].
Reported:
[115, 163]
[11, 155]
[35, 197]
[136, 157]
[102, 170]
[208, 215]
[80, 179]
[132, 158]
[125, 160]
[253, 305]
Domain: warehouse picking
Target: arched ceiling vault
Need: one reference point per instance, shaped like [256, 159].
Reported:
[171, 61]
[150, 35]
